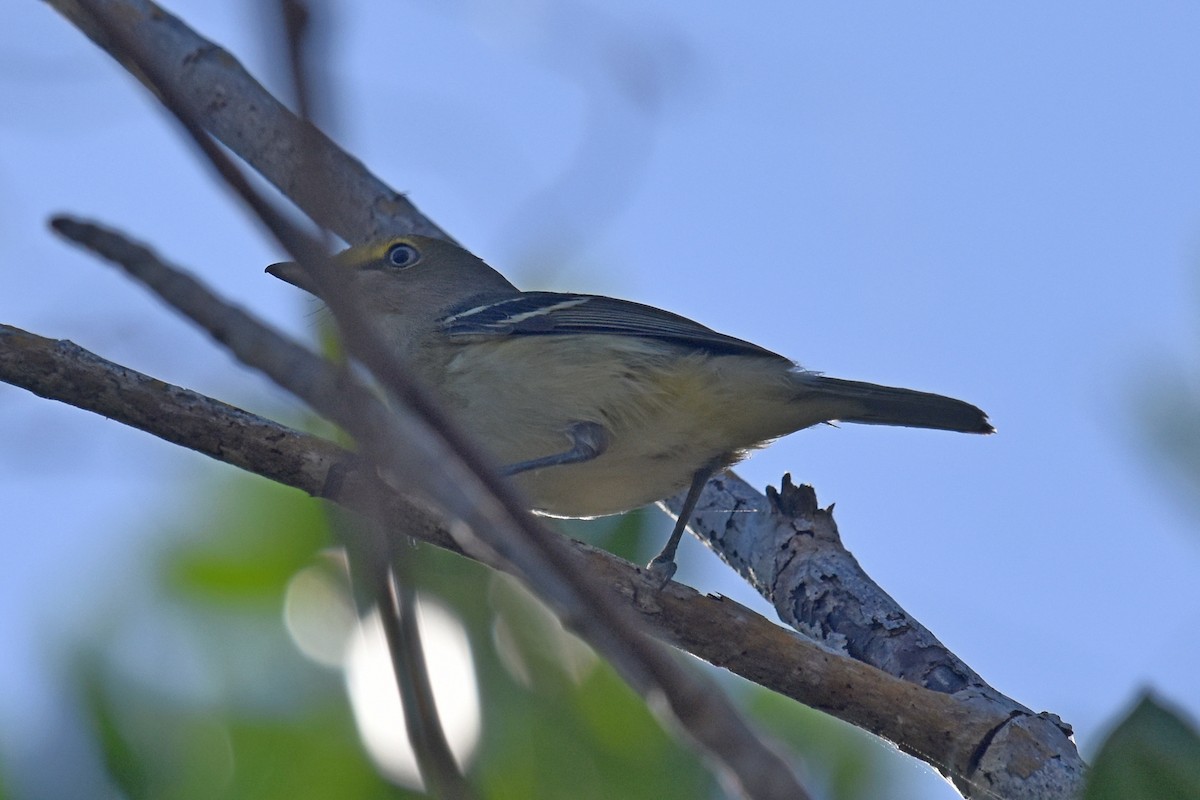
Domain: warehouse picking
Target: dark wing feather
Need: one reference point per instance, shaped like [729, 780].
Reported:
[556, 314]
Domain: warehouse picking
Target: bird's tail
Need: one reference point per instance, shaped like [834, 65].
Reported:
[871, 404]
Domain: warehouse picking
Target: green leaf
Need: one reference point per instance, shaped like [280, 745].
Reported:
[839, 761]
[121, 759]
[247, 543]
[1153, 754]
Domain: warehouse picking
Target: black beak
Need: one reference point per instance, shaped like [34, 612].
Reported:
[293, 273]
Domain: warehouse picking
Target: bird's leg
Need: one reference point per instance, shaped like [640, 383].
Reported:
[662, 567]
[588, 440]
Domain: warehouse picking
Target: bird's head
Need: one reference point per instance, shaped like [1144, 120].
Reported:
[414, 276]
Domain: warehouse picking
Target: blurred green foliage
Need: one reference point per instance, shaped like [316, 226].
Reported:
[248, 716]
[1152, 754]
[234, 710]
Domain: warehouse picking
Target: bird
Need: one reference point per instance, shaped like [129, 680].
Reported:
[594, 405]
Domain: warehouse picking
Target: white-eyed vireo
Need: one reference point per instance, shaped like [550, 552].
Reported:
[597, 405]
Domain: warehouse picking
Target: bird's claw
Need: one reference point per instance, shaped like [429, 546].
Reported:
[660, 571]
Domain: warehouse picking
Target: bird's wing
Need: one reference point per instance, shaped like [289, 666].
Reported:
[555, 314]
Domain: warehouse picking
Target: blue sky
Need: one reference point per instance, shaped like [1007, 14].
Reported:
[1000, 202]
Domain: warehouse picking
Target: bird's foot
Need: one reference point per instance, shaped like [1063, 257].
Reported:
[661, 570]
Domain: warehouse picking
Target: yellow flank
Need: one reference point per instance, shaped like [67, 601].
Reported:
[665, 409]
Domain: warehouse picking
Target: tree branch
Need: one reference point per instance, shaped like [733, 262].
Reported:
[794, 557]
[328, 184]
[803, 577]
[486, 517]
[955, 733]
[438, 461]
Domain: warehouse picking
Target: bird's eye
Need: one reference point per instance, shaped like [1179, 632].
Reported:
[403, 255]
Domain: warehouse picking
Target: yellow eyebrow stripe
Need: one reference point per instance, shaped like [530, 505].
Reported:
[362, 254]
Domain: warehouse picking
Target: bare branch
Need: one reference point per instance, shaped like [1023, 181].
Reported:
[412, 454]
[424, 727]
[794, 557]
[384, 569]
[441, 462]
[334, 189]
[235, 108]
[953, 732]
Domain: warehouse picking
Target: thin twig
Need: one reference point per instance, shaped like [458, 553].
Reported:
[425, 731]
[381, 564]
[409, 452]
[944, 730]
[338, 193]
[237, 110]
[295, 19]
[494, 515]
[371, 556]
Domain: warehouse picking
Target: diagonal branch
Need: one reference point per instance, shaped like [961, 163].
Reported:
[384, 568]
[951, 732]
[332, 187]
[409, 452]
[438, 461]
[337, 191]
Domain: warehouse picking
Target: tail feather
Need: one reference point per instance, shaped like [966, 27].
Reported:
[871, 404]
